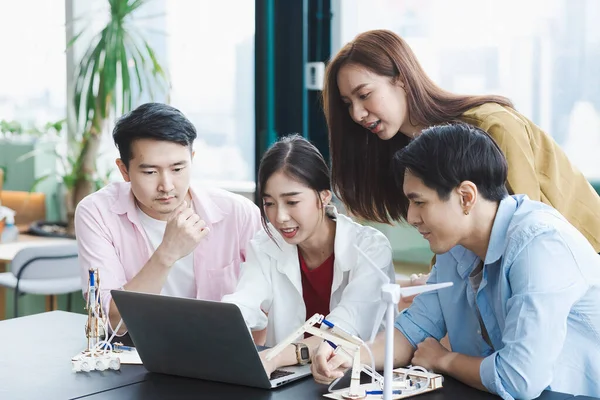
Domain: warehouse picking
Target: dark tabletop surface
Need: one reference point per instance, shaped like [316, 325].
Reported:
[35, 363]
[157, 386]
[35, 359]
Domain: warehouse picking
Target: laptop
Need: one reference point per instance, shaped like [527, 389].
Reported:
[197, 339]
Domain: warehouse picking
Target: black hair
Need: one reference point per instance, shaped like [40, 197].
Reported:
[443, 156]
[297, 158]
[156, 121]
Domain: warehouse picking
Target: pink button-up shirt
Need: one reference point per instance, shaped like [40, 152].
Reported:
[111, 238]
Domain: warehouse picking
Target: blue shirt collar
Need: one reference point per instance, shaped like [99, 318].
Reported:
[465, 259]
[506, 211]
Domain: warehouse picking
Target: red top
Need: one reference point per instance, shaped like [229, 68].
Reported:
[316, 286]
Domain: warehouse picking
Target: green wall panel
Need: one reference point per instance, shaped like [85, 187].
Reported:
[21, 175]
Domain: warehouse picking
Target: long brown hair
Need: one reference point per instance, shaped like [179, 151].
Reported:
[360, 162]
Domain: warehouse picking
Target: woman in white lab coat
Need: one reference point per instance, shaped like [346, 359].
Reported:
[305, 262]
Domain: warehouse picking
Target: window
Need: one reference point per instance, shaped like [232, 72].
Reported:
[210, 47]
[33, 69]
[543, 55]
[208, 52]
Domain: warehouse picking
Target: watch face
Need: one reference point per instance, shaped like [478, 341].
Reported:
[304, 353]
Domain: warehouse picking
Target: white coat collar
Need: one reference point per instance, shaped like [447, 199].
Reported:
[286, 255]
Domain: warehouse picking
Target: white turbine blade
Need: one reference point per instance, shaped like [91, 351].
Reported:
[378, 319]
[412, 290]
[381, 274]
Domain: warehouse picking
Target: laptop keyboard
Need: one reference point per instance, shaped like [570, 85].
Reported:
[279, 373]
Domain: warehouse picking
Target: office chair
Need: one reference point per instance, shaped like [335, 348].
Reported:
[44, 270]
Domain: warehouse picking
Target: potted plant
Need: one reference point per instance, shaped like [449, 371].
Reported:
[66, 152]
[118, 65]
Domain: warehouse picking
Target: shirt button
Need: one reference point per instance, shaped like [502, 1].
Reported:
[478, 332]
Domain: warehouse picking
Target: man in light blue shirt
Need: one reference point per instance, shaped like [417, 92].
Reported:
[523, 314]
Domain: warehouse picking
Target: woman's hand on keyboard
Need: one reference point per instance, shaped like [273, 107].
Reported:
[270, 366]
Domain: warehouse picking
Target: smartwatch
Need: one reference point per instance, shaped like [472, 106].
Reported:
[302, 353]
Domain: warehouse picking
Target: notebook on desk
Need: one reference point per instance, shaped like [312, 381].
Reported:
[197, 339]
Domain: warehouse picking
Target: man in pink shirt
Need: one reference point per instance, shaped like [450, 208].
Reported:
[155, 232]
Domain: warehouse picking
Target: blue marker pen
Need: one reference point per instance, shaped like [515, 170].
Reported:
[341, 332]
[92, 289]
[91, 278]
[329, 325]
[381, 392]
[126, 348]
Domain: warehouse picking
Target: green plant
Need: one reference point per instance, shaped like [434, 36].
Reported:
[12, 127]
[119, 64]
[16, 128]
[70, 171]
[67, 153]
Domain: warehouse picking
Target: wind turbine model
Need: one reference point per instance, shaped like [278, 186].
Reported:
[391, 294]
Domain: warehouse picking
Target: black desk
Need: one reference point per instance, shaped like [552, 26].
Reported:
[35, 362]
[170, 387]
[35, 359]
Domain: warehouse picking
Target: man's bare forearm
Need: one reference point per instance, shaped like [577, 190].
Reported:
[463, 368]
[153, 275]
[150, 279]
[403, 351]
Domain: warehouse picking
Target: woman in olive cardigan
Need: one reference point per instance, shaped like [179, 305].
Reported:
[377, 97]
